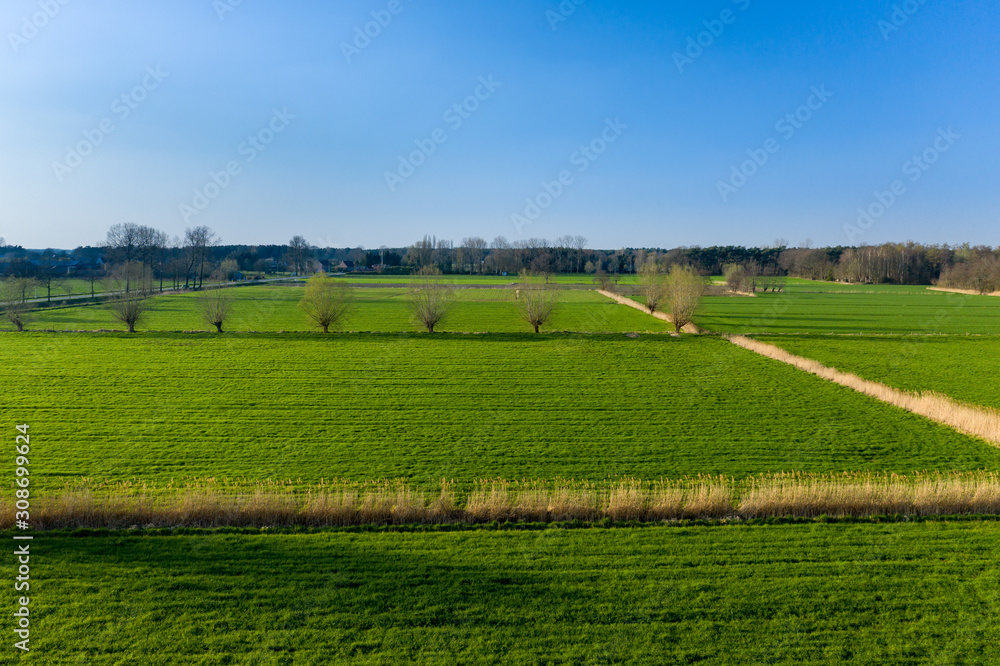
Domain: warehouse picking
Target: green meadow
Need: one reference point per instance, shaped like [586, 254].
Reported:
[159, 406]
[924, 592]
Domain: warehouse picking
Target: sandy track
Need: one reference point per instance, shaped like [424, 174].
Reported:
[969, 292]
[973, 420]
[689, 328]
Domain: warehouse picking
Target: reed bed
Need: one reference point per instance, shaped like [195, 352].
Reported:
[241, 503]
[983, 422]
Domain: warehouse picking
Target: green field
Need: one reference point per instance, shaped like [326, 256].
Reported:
[463, 407]
[163, 405]
[965, 368]
[387, 309]
[864, 309]
[792, 594]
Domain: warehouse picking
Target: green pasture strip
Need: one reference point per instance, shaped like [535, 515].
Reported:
[460, 407]
[924, 592]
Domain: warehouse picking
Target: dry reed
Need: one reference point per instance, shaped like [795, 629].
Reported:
[241, 503]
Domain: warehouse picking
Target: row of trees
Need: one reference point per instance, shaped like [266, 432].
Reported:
[326, 301]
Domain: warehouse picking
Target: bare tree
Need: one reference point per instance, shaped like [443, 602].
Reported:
[130, 242]
[752, 272]
[473, 251]
[215, 306]
[431, 298]
[131, 285]
[685, 287]
[298, 255]
[124, 242]
[325, 300]
[12, 300]
[604, 279]
[196, 244]
[652, 284]
[536, 300]
[580, 245]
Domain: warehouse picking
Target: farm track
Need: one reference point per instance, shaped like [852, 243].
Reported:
[975, 420]
[970, 419]
[967, 292]
[689, 328]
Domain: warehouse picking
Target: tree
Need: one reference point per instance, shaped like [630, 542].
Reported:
[130, 242]
[215, 306]
[12, 300]
[298, 255]
[736, 278]
[685, 287]
[226, 270]
[131, 287]
[473, 250]
[431, 298]
[325, 300]
[196, 244]
[604, 279]
[536, 300]
[652, 284]
[580, 245]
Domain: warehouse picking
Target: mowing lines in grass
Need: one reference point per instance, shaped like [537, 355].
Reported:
[914, 592]
[977, 421]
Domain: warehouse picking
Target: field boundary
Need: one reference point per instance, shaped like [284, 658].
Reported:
[618, 298]
[388, 502]
[967, 292]
[982, 422]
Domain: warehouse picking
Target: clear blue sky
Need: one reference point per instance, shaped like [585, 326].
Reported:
[678, 125]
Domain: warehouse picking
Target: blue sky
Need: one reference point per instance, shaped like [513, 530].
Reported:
[643, 125]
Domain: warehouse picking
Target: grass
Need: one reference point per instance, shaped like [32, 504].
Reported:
[964, 368]
[863, 309]
[923, 592]
[977, 421]
[275, 308]
[461, 407]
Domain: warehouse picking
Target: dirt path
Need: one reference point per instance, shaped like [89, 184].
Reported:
[970, 419]
[970, 292]
[689, 328]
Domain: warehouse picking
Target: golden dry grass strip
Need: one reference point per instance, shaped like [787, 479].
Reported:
[209, 503]
[618, 298]
[968, 292]
[983, 422]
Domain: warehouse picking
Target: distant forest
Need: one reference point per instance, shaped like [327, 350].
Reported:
[201, 253]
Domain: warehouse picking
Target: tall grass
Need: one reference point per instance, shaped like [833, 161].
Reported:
[973, 420]
[211, 503]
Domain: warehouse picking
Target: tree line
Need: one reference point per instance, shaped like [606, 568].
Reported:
[199, 254]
